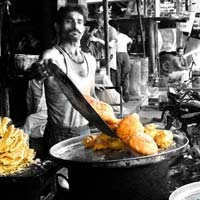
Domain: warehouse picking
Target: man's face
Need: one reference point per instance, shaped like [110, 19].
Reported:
[100, 21]
[180, 52]
[73, 27]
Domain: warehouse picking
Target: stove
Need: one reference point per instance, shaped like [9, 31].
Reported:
[33, 183]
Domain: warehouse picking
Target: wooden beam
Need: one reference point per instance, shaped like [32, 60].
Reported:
[141, 28]
[151, 46]
[157, 8]
[105, 9]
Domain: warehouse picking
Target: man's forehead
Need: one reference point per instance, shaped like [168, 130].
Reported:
[74, 14]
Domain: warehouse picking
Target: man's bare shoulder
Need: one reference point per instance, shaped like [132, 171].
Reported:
[51, 53]
[89, 56]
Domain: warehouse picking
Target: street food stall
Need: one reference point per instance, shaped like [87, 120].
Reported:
[121, 174]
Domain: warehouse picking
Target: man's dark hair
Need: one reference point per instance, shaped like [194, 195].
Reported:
[63, 12]
[179, 48]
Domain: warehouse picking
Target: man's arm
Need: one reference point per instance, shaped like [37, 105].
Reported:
[177, 64]
[112, 38]
[102, 42]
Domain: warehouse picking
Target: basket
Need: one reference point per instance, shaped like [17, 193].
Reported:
[24, 61]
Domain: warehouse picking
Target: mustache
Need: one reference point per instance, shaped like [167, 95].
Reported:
[75, 30]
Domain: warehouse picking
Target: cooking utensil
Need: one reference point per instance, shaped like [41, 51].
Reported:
[72, 152]
[93, 172]
[78, 101]
[189, 191]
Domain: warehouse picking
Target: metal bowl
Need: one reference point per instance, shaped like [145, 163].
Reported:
[190, 191]
[120, 174]
[73, 152]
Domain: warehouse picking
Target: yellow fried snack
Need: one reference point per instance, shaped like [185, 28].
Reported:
[89, 141]
[164, 138]
[6, 139]
[150, 129]
[15, 153]
[143, 144]
[116, 144]
[3, 124]
[102, 141]
[100, 145]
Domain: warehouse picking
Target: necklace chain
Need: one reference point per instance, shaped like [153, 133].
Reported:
[81, 70]
[72, 58]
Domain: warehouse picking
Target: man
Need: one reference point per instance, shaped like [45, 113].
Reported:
[37, 110]
[98, 39]
[63, 120]
[178, 70]
[123, 63]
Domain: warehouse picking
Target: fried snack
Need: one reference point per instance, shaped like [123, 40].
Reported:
[100, 145]
[89, 141]
[3, 124]
[114, 126]
[104, 110]
[6, 139]
[150, 129]
[102, 141]
[164, 138]
[129, 126]
[116, 144]
[143, 144]
[15, 153]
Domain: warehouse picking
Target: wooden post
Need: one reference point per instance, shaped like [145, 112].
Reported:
[157, 8]
[151, 46]
[141, 28]
[106, 32]
[179, 34]
[145, 8]
[157, 66]
[6, 54]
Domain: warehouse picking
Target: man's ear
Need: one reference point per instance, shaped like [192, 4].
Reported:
[84, 29]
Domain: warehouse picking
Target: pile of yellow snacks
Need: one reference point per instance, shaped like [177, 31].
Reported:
[15, 153]
[102, 141]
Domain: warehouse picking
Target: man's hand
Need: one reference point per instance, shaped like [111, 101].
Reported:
[99, 87]
[93, 38]
[39, 70]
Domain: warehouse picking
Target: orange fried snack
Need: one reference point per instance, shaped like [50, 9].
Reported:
[105, 111]
[143, 144]
[128, 126]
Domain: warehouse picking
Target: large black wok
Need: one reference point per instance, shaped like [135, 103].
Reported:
[119, 174]
[72, 152]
